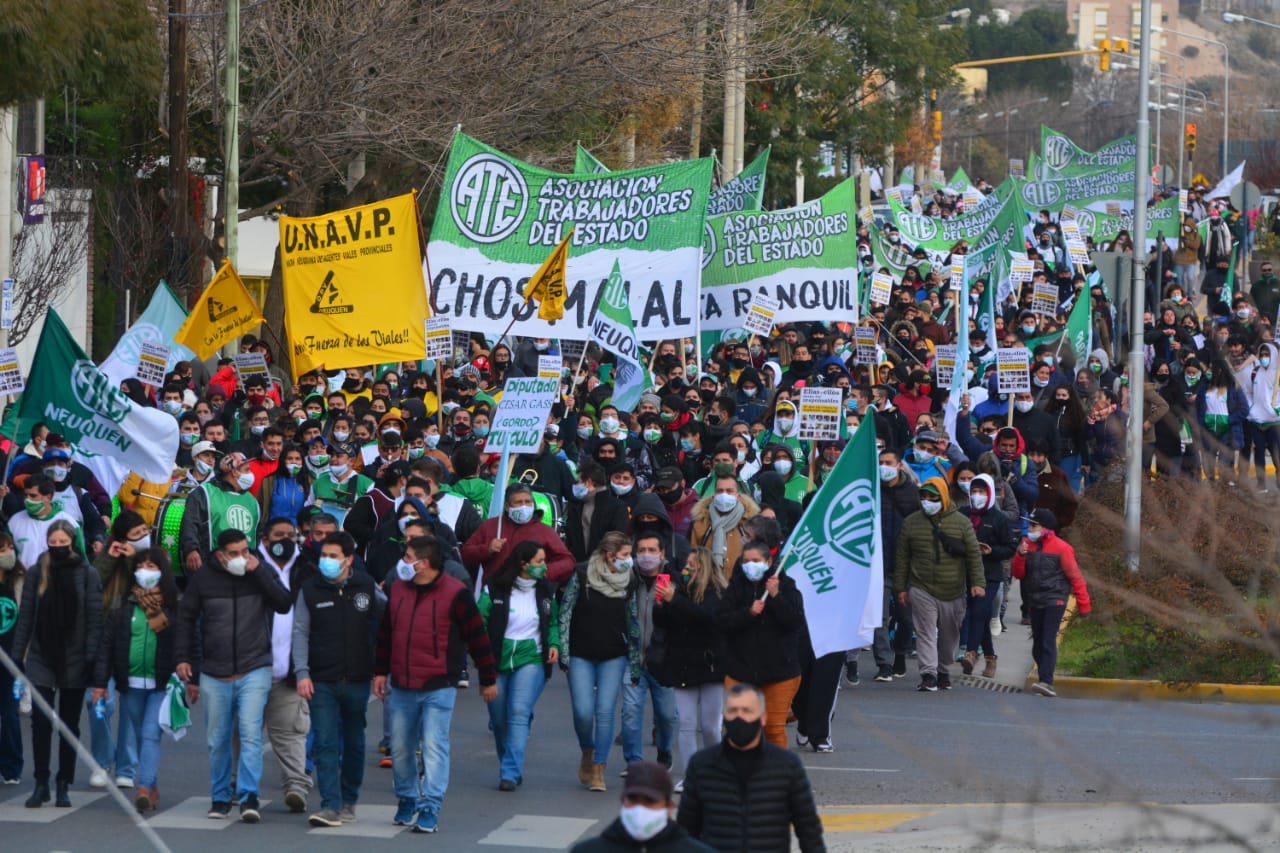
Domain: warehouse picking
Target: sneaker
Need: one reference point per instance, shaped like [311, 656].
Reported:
[124, 782]
[944, 681]
[8, 781]
[249, 809]
[297, 801]
[623, 774]
[385, 763]
[426, 822]
[404, 812]
[928, 683]
[664, 758]
[1043, 689]
[679, 788]
[899, 666]
[219, 810]
[851, 673]
[464, 681]
[997, 627]
[801, 740]
[98, 779]
[325, 817]
[507, 785]
[824, 747]
[348, 813]
[885, 673]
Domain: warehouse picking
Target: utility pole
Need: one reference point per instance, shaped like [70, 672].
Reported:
[729, 150]
[1135, 475]
[8, 154]
[179, 245]
[231, 229]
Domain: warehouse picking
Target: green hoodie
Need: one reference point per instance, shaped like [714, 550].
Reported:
[474, 489]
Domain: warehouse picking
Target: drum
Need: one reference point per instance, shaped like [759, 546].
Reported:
[552, 510]
[168, 524]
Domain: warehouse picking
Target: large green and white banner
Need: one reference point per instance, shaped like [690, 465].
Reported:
[983, 226]
[498, 219]
[1061, 157]
[742, 192]
[1092, 190]
[805, 257]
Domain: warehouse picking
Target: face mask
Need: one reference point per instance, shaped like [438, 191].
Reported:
[1023, 406]
[622, 565]
[404, 521]
[783, 466]
[584, 433]
[245, 480]
[481, 431]
[888, 473]
[648, 562]
[8, 560]
[537, 571]
[259, 429]
[741, 732]
[338, 470]
[580, 491]
[749, 392]
[541, 346]
[1243, 313]
[341, 435]
[609, 424]
[1039, 383]
[724, 501]
[741, 455]
[964, 485]
[686, 444]
[330, 567]
[1265, 361]
[34, 507]
[204, 468]
[520, 514]
[668, 417]
[622, 488]
[785, 424]
[653, 436]
[1034, 535]
[318, 462]
[449, 408]
[1193, 380]
[923, 455]
[432, 441]
[931, 507]
[978, 501]
[236, 566]
[1028, 330]
[1177, 297]
[1048, 359]
[147, 578]
[1095, 367]
[754, 569]
[714, 418]
[282, 549]
[189, 438]
[405, 570]
[142, 543]
[642, 822]
[56, 473]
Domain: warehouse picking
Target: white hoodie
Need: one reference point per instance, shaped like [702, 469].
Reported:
[1264, 401]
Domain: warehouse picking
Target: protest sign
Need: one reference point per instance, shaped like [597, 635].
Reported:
[549, 366]
[944, 361]
[439, 338]
[760, 315]
[881, 288]
[10, 372]
[1044, 298]
[1021, 269]
[1013, 370]
[152, 359]
[820, 413]
[250, 364]
[521, 417]
[864, 340]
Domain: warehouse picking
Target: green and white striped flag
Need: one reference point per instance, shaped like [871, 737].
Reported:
[614, 330]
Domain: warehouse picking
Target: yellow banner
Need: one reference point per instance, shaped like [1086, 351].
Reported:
[354, 293]
[547, 285]
[224, 313]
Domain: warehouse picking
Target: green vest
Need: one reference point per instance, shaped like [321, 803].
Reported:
[337, 499]
[231, 511]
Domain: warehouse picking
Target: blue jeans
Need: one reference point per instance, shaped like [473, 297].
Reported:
[10, 732]
[978, 616]
[241, 700]
[101, 743]
[511, 717]
[1070, 466]
[338, 721]
[140, 732]
[593, 690]
[664, 712]
[421, 716]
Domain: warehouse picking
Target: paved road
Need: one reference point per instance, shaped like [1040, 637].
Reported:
[910, 771]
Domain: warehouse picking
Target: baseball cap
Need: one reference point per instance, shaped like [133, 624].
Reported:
[648, 779]
[1043, 517]
[668, 477]
[205, 447]
[345, 448]
[56, 454]
[232, 461]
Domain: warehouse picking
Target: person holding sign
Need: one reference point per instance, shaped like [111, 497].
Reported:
[490, 547]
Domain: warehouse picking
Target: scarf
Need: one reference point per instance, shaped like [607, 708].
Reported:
[605, 580]
[721, 525]
[152, 603]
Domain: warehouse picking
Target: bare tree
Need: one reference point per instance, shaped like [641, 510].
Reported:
[50, 259]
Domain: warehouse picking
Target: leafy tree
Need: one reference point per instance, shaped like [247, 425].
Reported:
[1035, 31]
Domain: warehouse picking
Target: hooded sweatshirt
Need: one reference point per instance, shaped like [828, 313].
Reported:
[924, 559]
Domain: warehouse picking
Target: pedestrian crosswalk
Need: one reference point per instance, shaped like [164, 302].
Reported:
[193, 813]
[371, 822]
[539, 832]
[13, 810]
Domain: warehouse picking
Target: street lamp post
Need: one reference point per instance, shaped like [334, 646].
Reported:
[1233, 18]
[1226, 85]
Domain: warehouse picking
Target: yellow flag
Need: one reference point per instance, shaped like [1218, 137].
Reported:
[548, 284]
[224, 313]
[354, 293]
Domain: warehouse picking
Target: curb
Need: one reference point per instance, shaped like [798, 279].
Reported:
[1077, 687]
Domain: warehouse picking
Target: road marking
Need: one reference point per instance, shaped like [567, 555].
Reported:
[851, 769]
[14, 811]
[193, 813]
[374, 822]
[1256, 779]
[869, 821]
[546, 833]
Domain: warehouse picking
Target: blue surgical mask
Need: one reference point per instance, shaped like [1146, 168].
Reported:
[330, 567]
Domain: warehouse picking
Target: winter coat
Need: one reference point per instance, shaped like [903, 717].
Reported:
[425, 635]
[1049, 574]
[117, 639]
[607, 514]
[924, 561]
[692, 645]
[701, 535]
[475, 553]
[224, 620]
[751, 812]
[82, 639]
[761, 649]
[674, 838]
[993, 528]
[576, 590]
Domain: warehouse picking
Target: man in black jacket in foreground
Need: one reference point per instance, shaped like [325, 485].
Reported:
[746, 794]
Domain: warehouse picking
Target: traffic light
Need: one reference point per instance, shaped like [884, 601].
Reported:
[936, 126]
[1191, 138]
[1104, 55]
[1120, 46]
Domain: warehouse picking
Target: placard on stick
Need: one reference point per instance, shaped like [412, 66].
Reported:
[11, 381]
[820, 413]
[864, 340]
[521, 416]
[1044, 299]
[881, 288]
[944, 361]
[250, 364]
[1013, 370]
[439, 337]
[153, 358]
[549, 366]
[1022, 270]
[759, 320]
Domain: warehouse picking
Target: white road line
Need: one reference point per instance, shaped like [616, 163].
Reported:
[852, 769]
[538, 831]
[14, 811]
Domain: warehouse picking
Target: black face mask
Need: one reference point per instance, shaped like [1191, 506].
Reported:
[671, 496]
[60, 553]
[282, 549]
[706, 394]
[802, 366]
[741, 732]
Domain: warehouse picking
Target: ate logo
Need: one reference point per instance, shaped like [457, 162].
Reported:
[240, 518]
[1042, 194]
[8, 615]
[1058, 152]
[329, 300]
[489, 198]
[96, 392]
[918, 229]
[851, 520]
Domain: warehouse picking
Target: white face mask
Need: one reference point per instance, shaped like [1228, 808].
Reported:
[1034, 535]
[520, 514]
[609, 424]
[785, 424]
[1023, 406]
[888, 473]
[622, 488]
[724, 501]
[405, 570]
[754, 569]
[338, 470]
[405, 521]
[978, 501]
[141, 544]
[147, 578]
[236, 566]
[931, 507]
[964, 485]
[203, 468]
[642, 822]
[581, 490]
[782, 466]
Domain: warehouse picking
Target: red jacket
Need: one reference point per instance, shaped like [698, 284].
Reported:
[1052, 545]
[426, 632]
[913, 406]
[475, 552]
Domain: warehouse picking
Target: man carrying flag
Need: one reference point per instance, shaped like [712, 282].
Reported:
[614, 330]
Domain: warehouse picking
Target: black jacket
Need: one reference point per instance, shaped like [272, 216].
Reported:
[994, 530]
[766, 648]
[233, 617]
[609, 513]
[753, 810]
[675, 546]
[673, 839]
[693, 647]
[81, 642]
[117, 637]
[500, 614]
